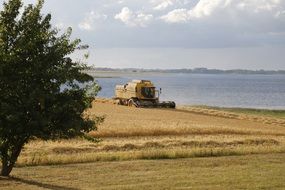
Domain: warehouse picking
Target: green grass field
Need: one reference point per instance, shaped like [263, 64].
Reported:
[231, 172]
[258, 112]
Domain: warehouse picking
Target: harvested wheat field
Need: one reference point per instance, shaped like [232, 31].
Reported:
[230, 150]
[139, 133]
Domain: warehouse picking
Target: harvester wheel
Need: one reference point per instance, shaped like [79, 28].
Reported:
[131, 103]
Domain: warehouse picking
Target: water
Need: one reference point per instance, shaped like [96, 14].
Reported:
[250, 91]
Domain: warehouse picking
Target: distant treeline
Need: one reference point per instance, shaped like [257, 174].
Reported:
[196, 70]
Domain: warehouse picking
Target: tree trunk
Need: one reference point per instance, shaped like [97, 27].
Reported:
[6, 169]
[8, 161]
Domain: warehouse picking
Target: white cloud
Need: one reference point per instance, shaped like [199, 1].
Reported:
[207, 8]
[203, 8]
[132, 19]
[201, 23]
[259, 5]
[143, 19]
[125, 15]
[89, 20]
[160, 5]
[176, 16]
[163, 5]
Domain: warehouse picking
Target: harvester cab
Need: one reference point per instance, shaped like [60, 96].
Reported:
[140, 93]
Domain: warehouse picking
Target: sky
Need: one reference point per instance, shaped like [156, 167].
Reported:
[167, 34]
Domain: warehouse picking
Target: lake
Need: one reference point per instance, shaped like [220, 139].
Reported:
[225, 90]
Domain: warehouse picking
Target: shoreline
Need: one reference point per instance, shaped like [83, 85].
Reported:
[238, 109]
[188, 71]
[121, 73]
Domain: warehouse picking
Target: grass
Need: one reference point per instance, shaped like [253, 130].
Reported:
[259, 112]
[230, 172]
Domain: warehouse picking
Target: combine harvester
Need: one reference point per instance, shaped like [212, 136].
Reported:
[140, 93]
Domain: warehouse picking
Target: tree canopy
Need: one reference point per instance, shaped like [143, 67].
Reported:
[41, 93]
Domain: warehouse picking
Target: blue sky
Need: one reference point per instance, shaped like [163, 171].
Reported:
[223, 34]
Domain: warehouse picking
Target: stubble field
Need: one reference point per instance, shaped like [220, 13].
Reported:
[130, 135]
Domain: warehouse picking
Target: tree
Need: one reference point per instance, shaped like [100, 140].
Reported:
[40, 85]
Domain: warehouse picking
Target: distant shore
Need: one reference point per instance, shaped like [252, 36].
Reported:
[190, 71]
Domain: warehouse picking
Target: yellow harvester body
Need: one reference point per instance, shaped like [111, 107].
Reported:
[140, 93]
[141, 89]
